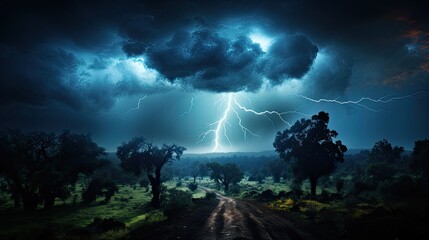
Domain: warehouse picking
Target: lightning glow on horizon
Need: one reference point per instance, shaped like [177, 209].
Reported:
[220, 126]
[230, 108]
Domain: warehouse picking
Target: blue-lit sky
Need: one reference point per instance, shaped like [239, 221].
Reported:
[216, 76]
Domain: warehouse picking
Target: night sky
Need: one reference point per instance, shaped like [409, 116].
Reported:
[215, 75]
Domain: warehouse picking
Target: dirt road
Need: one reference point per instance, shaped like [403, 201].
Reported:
[234, 219]
[224, 219]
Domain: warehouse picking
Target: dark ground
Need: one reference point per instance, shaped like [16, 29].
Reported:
[228, 218]
[225, 218]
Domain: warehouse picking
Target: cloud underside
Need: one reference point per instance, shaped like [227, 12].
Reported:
[48, 56]
[205, 60]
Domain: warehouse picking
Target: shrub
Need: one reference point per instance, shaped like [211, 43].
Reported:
[144, 182]
[400, 188]
[284, 205]
[175, 199]
[339, 184]
[234, 190]
[3, 198]
[250, 194]
[267, 195]
[210, 196]
[192, 186]
[99, 187]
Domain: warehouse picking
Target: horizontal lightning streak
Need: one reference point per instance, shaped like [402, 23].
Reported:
[267, 112]
[361, 101]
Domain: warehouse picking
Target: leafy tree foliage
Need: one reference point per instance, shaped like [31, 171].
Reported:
[420, 158]
[194, 170]
[193, 186]
[99, 187]
[382, 158]
[225, 174]
[382, 151]
[138, 155]
[203, 170]
[276, 168]
[309, 146]
[40, 167]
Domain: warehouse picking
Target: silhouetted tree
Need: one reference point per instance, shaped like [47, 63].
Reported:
[203, 170]
[276, 168]
[420, 158]
[225, 174]
[99, 187]
[137, 155]
[309, 146]
[40, 167]
[382, 158]
[194, 170]
[382, 151]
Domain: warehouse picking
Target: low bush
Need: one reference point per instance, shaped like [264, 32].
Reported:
[235, 190]
[176, 199]
[192, 186]
[210, 196]
[99, 187]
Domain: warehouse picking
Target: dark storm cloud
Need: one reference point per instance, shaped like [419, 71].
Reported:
[330, 75]
[52, 55]
[36, 77]
[208, 61]
[289, 57]
[205, 58]
[133, 49]
[212, 62]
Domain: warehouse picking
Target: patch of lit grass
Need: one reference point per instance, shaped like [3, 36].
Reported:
[129, 205]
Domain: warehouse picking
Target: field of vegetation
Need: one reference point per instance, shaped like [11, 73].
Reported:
[67, 187]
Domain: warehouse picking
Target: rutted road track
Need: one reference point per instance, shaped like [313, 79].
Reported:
[235, 219]
[225, 219]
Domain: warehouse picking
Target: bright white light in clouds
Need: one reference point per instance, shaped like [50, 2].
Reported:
[263, 41]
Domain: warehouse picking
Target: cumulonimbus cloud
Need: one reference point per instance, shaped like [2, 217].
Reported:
[206, 60]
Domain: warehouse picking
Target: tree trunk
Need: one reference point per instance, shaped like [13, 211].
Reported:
[313, 183]
[195, 179]
[226, 184]
[16, 200]
[156, 192]
[155, 182]
[49, 201]
[29, 201]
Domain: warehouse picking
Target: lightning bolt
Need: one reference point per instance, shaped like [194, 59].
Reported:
[361, 102]
[190, 108]
[267, 112]
[219, 124]
[219, 128]
[138, 105]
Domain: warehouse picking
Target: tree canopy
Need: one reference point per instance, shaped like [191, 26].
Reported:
[138, 155]
[420, 158]
[225, 173]
[309, 145]
[39, 167]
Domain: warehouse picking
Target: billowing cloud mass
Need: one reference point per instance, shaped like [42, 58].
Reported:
[207, 61]
[134, 66]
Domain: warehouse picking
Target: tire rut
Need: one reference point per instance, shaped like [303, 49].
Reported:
[234, 219]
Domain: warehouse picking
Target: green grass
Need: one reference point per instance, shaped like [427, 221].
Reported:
[129, 205]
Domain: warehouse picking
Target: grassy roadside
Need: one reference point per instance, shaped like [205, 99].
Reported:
[129, 205]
